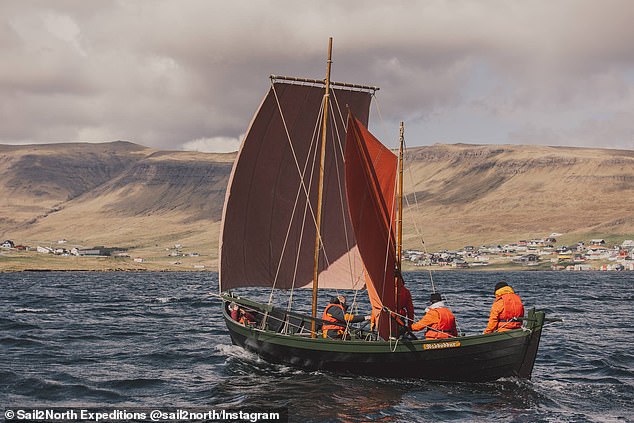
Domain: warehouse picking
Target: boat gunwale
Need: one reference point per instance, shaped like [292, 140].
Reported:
[397, 345]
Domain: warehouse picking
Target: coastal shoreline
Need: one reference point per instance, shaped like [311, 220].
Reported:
[30, 261]
[53, 264]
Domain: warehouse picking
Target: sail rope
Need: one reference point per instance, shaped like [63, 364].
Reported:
[419, 232]
[391, 223]
[388, 244]
[306, 205]
[416, 203]
[336, 136]
[301, 187]
[344, 217]
[378, 109]
[301, 170]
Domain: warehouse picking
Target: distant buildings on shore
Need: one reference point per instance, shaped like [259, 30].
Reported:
[99, 251]
[593, 255]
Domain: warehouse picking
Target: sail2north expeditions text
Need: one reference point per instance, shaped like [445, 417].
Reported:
[157, 415]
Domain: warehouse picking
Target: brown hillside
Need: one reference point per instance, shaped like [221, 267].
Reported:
[115, 194]
[122, 194]
[489, 194]
[36, 180]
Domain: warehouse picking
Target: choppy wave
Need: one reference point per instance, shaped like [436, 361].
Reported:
[148, 338]
[31, 310]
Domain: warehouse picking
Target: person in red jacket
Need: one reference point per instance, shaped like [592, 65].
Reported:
[240, 315]
[505, 310]
[335, 318]
[438, 320]
[405, 306]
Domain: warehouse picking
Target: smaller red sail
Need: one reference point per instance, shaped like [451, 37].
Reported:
[370, 187]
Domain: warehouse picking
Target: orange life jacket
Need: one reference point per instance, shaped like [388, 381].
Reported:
[446, 326]
[513, 307]
[328, 318]
[247, 319]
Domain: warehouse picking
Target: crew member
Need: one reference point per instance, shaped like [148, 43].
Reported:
[505, 310]
[405, 306]
[240, 315]
[235, 313]
[336, 317]
[438, 320]
[247, 318]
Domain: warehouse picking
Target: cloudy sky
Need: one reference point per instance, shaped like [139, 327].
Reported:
[187, 74]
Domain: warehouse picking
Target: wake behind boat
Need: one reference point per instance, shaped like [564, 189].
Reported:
[316, 202]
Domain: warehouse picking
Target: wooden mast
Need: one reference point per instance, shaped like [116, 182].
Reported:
[320, 189]
[399, 221]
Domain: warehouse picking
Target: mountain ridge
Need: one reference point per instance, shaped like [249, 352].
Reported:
[125, 194]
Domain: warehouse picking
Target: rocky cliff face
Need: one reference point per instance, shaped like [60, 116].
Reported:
[36, 180]
[195, 188]
[108, 193]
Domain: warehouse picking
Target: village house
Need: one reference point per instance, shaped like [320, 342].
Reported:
[7, 244]
[527, 258]
[91, 252]
[459, 264]
[597, 252]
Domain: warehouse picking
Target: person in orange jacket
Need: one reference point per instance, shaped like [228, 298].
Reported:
[438, 320]
[336, 318]
[505, 309]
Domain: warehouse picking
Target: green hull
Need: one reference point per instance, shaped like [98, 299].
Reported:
[285, 339]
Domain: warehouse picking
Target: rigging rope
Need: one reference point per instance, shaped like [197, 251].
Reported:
[302, 185]
[301, 234]
[416, 227]
[420, 234]
[418, 212]
[308, 207]
[344, 217]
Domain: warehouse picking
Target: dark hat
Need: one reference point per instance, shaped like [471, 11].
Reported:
[500, 285]
[435, 297]
[334, 300]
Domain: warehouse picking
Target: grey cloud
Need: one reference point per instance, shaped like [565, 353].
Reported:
[167, 73]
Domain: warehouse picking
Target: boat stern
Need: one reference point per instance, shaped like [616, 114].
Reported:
[534, 323]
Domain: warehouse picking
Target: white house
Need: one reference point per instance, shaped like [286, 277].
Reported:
[7, 244]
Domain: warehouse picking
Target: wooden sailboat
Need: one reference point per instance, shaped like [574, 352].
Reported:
[307, 208]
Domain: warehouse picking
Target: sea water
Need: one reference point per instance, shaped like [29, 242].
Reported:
[91, 339]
